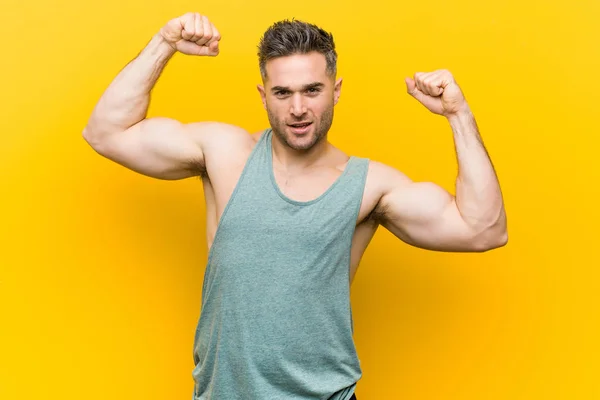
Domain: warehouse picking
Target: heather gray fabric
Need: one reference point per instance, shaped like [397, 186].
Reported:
[276, 321]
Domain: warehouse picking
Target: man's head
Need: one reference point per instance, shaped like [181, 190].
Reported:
[298, 64]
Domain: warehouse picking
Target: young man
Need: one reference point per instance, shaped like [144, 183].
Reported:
[289, 215]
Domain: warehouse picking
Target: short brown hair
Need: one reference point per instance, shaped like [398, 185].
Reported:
[286, 38]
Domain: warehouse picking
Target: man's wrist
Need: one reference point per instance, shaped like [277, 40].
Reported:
[464, 113]
[160, 46]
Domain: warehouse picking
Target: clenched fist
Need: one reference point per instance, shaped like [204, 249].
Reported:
[437, 91]
[192, 34]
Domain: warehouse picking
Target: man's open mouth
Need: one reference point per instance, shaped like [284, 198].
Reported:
[300, 125]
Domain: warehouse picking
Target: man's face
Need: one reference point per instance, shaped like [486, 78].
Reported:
[299, 97]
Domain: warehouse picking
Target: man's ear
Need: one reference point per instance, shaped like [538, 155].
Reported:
[263, 95]
[337, 90]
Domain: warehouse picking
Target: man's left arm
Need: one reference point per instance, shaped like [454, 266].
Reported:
[427, 216]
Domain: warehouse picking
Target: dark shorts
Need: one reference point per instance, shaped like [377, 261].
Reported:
[353, 397]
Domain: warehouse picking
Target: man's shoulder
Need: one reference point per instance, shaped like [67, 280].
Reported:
[257, 135]
[381, 172]
[215, 134]
[383, 178]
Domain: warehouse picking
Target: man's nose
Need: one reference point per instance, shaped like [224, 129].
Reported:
[297, 106]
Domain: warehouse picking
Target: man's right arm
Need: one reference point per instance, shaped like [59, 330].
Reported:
[163, 148]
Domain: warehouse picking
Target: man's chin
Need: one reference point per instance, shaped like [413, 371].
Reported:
[301, 143]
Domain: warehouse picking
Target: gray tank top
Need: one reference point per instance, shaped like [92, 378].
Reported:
[276, 321]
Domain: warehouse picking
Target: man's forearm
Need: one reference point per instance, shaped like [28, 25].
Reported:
[478, 194]
[125, 102]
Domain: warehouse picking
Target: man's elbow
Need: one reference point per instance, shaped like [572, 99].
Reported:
[92, 137]
[490, 239]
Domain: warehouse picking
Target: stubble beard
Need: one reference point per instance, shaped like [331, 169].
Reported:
[321, 127]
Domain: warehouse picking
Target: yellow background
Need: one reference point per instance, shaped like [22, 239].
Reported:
[101, 268]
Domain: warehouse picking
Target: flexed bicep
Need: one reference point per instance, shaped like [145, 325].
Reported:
[425, 215]
[157, 147]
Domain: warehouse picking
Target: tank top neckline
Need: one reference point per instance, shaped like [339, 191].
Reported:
[269, 150]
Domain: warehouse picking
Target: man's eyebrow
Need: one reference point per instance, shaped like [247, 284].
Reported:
[313, 85]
